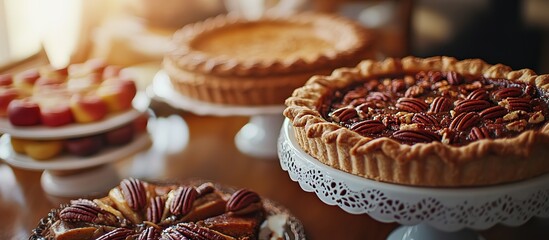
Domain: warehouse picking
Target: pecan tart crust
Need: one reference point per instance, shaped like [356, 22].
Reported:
[231, 60]
[139, 210]
[426, 122]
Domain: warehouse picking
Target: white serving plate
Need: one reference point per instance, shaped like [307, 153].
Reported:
[71, 162]
[111, 121]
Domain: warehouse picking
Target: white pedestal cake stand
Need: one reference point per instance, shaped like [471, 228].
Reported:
[258, 138]
[427, 213]
[73, 176]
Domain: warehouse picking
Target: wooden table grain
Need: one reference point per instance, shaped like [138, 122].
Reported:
[209, 152]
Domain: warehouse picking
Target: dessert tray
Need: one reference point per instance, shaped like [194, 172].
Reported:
[257, 138]
[70, 175]
[426, 213]
[140, 103]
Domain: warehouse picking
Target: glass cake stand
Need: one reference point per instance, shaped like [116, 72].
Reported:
[426, 213]
[258, 138]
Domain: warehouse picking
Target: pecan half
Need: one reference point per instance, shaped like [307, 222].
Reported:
[471, 105]
[493, 112]
[117, 234]
[479, 94]
[368, 126]
[398, 85]
[413, 91]
[464, 121]
[496, 129]
[195, 232]
[172, 234]
[422, 75]
[204, 189]
[134, 193]
[378, 96]
[515, 104]
[536, 118]
[440, 104]
[472, 86]
[80, 210]
[411, 105]
[150, 233]
[344, 114]
[183, 200]
[353, 95]
[416, 136]
[155, 209]
[530, 91]
[506, 92]
[358, 101]
[478, 133]
[424, 119]
[517, 126]
[435, 76]
[454, 78]
[241, 199]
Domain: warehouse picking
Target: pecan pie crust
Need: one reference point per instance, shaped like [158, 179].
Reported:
[231, 60]
[137, 209]
[417, 156]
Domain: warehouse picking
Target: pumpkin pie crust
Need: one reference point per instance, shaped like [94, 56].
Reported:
[234, 61]
[435, 122]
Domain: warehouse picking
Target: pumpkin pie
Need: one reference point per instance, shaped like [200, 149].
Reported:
[235, 61]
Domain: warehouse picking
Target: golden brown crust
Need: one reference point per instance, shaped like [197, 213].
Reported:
[220, 78]
[236, 90]
[481, 162]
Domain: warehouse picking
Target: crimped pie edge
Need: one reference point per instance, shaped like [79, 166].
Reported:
[481, 162]
[185, 57]
[237, 90]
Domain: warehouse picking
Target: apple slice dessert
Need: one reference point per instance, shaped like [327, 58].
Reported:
[24, 112]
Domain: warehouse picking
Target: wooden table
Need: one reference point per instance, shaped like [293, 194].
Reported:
[211, 154]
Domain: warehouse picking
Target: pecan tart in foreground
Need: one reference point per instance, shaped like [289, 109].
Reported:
[426, 122]
[141, 210]
[234, 61]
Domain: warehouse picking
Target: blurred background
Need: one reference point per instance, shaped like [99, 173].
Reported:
[130, 32]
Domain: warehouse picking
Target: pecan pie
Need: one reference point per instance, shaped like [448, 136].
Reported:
[428, 122]
[231, 60]
[141, 210]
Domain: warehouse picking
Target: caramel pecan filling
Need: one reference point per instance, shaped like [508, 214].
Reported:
[438, 106]
[169, 212]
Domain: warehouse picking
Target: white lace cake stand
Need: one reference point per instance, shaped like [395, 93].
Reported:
[258, 138]
[427, 213]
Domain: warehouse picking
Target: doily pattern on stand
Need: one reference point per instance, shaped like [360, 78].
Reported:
[443, 208]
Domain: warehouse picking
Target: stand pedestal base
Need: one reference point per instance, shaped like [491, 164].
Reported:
[89, 183]
[258, 138]
[425, 232]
